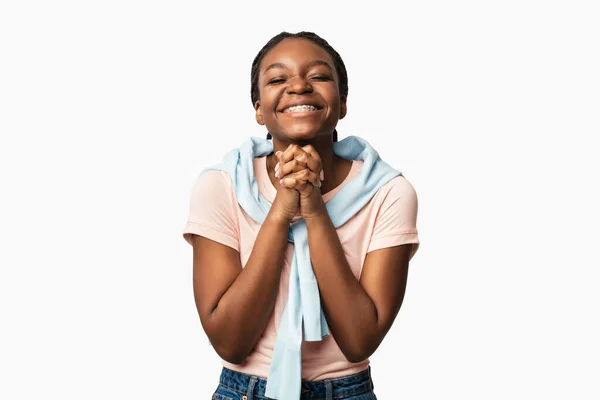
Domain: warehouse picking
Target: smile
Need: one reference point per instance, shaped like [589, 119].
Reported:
[300, 108]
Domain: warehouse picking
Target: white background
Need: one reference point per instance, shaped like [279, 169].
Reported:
[109, 110]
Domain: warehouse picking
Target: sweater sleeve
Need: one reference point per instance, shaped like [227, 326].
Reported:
[396, 221]
[213, 210]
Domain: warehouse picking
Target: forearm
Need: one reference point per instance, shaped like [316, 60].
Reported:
[351, 314]
[243, 311]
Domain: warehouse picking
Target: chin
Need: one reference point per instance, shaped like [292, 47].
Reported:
[303, 133]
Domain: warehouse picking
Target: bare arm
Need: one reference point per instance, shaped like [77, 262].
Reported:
[359, 313]
[234, 303]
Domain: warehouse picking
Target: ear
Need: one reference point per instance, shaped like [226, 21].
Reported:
[259, 116]
[343, 108]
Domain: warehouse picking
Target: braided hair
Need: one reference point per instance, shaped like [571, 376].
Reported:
[316, 39]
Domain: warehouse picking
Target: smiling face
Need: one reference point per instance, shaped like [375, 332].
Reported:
[299, 91]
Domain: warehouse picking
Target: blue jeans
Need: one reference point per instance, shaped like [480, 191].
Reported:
[234, 385]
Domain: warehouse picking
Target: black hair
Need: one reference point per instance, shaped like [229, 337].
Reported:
[316, 39]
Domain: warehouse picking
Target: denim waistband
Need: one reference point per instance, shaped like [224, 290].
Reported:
[254, 387]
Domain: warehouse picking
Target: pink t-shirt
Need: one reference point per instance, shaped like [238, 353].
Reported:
[388, 219]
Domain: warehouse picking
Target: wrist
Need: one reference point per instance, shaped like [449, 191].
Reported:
[277, 219]
[318, 216]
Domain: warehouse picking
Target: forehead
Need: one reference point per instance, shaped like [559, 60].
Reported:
[296, 52]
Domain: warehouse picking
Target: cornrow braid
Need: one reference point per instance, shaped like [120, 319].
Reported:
[316, 39]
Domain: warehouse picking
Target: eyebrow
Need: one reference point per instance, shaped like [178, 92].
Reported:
[319, 62]
[275, 65]
[312, 64]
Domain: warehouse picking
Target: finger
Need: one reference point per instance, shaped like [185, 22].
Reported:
[307, 176]
[308, 160]
[310, 150]
[291, 167]
[287, 164]
[297, 184]
[298, 179]
[288, 153]
[280, 163]
[295, 152]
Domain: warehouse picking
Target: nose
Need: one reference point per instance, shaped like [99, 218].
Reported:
[298, 85]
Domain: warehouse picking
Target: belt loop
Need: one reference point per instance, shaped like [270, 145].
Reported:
[250, 393]
[328, 390]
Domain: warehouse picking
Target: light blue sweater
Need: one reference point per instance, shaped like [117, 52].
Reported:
[303, 304]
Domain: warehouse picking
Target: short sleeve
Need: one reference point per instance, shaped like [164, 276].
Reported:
[396, 221]
[213, 209]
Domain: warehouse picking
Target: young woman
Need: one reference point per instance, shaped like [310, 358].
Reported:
[301, 243]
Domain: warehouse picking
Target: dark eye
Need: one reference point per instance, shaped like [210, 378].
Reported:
[276, 81]
[321, 77]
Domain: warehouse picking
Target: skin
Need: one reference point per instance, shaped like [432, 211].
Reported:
[235, 303]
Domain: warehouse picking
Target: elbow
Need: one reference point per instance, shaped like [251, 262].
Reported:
[229, 346]
[230, 353]
[355, 357]
[234, 358]
[356, 354]
[359, 350]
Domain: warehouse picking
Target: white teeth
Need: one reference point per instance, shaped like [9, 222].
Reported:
[300, 108]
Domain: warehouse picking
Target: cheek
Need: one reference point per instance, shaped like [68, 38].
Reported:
[333, 98]
[335, 105]
[268, 101]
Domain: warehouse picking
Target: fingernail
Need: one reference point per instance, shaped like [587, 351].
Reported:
[276, 174]
[277, 166]
[281, 181]
[322, 175]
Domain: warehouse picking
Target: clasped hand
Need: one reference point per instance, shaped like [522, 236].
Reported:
[300, 168]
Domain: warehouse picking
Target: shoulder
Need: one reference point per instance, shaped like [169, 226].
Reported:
[214, 188]
[212, 180]
[402, 184]
[398, 188]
